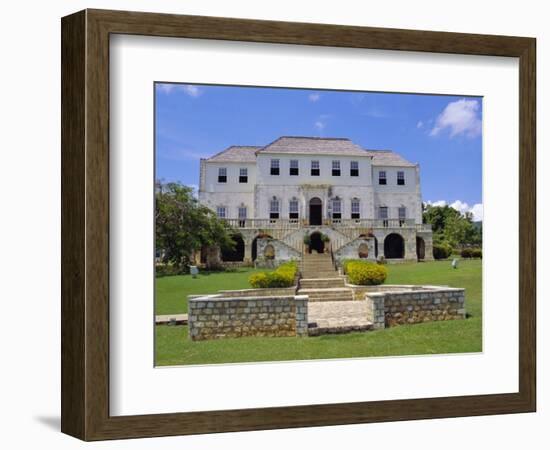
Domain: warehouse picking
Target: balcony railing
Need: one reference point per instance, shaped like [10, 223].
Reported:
[289, 224]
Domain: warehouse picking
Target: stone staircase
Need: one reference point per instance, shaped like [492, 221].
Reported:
[320, 281]
[331, 308]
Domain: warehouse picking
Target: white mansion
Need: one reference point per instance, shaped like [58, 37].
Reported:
[366, 201]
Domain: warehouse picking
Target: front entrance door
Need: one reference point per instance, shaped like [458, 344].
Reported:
[315, 211]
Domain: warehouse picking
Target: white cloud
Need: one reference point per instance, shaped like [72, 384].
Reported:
[460, 118]
[319, 125]
[420, 124]
[314, 97]
[476, 210]
[189, 89]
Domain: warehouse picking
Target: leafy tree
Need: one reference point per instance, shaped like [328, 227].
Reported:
[183, 226]
[449, 225]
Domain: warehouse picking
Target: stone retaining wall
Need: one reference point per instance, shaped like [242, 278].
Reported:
[216, 316]
[260, 292]
[387, 309]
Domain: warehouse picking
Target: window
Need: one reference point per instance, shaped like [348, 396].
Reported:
[335, 168]
[355, 209]
[354, 169]
[315, 170]
[402, 214]
[274, 167]
[222, 175]
[243, 175]
[220, 212]
[401, 178]
[274, 209]
[293, 209]
[242, 216]
[294, 167]
[336, 208]
[382, 177]
[383, 212]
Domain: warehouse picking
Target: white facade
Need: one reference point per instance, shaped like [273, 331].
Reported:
[356, 191]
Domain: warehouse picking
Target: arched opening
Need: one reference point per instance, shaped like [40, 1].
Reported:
[420, 248]
[254, 250]
[316, 243]
[315, 211]
[363, 250]
[269, 252]
[394, 246]
[237, 253]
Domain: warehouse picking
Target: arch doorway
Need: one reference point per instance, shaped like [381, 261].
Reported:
[420, 248]
[316, 243]
[236, 254]
[315, 211]
[394, 246]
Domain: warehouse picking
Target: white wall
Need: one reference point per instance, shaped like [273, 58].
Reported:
[232, 185]
[325, 162]
[30, 237]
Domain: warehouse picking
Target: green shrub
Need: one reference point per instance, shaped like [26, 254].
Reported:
[466, 252]
[442, 250]
[283, 276]
[366, 273]
[477, 253]
[258, 280]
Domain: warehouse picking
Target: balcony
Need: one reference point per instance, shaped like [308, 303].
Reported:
[289, 224]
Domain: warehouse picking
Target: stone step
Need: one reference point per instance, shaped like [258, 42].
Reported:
[311, 283]
[337, 327]
[328, 294]
[319, 274]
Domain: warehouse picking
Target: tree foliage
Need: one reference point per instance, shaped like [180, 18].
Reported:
[449, 225]
[183, 226]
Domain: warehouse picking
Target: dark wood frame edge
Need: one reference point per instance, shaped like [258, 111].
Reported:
[85, 224]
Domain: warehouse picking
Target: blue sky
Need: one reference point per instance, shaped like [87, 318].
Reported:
[442, 133]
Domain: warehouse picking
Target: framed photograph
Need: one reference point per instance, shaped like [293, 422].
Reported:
[273, 225]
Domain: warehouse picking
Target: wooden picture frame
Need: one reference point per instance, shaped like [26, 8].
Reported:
[85, 224]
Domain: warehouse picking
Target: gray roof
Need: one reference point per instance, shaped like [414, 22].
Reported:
[310, 146]
[236, 153]
[314, 146]
[387, 158]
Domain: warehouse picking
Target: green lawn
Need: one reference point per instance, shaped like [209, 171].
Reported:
[172, 292]
[174, 348]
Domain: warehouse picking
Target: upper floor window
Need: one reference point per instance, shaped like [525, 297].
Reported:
[336, 208]
[383, 212]
[274, 167]
[222, 175]
[274, 208]
[315, 170]
[401, 178]
[382, 177]
[293, 209]
[243, 175]
[354, 169]
[355, 209]
[220, 212]
[335, 168]
[294, 167]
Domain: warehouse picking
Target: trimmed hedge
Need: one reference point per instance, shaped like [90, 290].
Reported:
[442, 250]
[365, 273]
[471, 253]
[283, 276]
